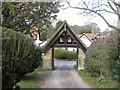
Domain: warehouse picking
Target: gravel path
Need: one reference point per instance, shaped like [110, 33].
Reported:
[64, 76]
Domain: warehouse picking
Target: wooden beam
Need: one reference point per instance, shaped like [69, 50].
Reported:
[53, 58]
[77, 57]
[65, 45]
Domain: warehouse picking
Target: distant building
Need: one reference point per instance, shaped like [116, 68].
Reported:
[35, 35]
[87, 39]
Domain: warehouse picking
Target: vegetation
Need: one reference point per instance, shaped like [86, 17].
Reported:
[102, 57]
[28, 84]
[99, 7]
[19, 57]
[58, 24]
[38, 57]
[64, 54]
[21, 16]
[30, 80]
[47, 32]
[87, 28]
[98, 81]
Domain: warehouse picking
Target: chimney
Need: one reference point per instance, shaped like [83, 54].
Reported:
[93, 31]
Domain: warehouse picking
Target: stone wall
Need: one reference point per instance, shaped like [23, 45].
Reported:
[81, 57]
[47, 60]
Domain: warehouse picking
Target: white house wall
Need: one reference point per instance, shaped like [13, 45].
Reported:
[86, 41]
[37, 41]
[72, 49]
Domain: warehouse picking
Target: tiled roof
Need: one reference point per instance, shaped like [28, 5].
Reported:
[92, 36]
[34, 31]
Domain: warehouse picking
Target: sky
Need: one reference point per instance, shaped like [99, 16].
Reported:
[74, 18]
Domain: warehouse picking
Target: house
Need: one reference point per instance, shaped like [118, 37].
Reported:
[36, 38]
[87, 39]
[35, 35]
[43, 43]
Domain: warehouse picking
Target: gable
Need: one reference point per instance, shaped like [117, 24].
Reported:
[86, 40]
[61, 37]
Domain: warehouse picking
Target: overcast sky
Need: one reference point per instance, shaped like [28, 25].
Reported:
[74, 18]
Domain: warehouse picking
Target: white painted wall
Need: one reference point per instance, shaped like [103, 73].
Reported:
[37, 41]
[72, 49]
[41, 45]
[86, 41]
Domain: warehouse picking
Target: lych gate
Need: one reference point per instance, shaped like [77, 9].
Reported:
[60, 39]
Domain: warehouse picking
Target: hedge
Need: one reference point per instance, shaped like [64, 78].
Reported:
[18, 57]
[96, 58]
[64, 54]
[102, 56]
[38, 56]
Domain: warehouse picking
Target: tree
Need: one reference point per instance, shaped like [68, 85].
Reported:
[0, 12]
[47, 32]
[26, 15]
[58, 24]
[93, 7]
[87, 28]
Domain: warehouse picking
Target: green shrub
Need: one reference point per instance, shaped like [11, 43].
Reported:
[101, 80]
[95, 60]
[102, 56]
[18, 57]
[38, 58]
[64, 54]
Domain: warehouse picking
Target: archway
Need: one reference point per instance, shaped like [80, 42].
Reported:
[60, 39]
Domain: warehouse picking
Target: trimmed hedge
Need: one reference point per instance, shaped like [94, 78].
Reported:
[38, 56]
[102, 56]
[18, 57]
[64, 54]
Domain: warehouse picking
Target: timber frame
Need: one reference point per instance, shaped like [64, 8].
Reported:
[61, 37]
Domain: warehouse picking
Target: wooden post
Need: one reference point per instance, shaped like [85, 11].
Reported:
[53, 58]
[77, 57]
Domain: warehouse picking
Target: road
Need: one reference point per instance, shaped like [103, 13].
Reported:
[64, 76]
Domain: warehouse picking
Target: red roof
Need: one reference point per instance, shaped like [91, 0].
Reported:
[34, 31]
[92, 36]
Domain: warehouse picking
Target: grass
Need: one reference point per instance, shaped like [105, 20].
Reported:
[98, 82]
[28, 84]
[29, 81]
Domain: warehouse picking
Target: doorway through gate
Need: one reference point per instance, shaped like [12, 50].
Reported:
[63, 37]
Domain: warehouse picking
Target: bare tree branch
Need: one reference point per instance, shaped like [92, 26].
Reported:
[113, 8]
[98, 13]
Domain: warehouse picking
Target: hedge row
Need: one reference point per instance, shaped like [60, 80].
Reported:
[102, 56]
[18, 57]
[64, 54]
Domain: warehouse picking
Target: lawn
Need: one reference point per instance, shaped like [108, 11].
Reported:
[97, 81]
[30, 80]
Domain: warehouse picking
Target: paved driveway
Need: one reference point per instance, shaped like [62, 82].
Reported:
[64, 76]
